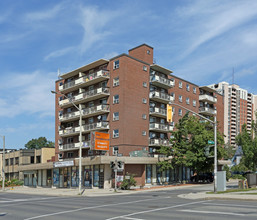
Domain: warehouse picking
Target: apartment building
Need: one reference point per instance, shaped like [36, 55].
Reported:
[127, 97]
[239, 109]
[18, 162]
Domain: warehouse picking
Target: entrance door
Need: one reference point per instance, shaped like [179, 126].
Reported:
[101, 177]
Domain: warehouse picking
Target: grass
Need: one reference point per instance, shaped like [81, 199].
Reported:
[234, 190]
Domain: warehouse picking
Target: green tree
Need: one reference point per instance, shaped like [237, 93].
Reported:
[248, 141]
[229, 152]
[189, 141]
[39, 143]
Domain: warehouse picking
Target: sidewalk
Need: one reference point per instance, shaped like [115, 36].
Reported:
[87, 192]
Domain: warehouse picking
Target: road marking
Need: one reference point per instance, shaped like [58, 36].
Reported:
[235, 205]
[154, 210]
[26, 200]
[93, 207]
[133, 218]
[211, 212]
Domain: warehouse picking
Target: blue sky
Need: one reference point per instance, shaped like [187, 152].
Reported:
[201, 41]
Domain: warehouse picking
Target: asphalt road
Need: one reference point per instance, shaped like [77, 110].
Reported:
[160, 205]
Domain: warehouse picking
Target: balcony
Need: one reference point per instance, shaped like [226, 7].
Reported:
[207, 111]
[160, 127]
[159, 142]
[74, 146]
[88, 80]
[95, 126]
[160, 97]
[87, 112]
[207, 98]
[158, 112]
[86, 97]
[71, 131]
[161, 82]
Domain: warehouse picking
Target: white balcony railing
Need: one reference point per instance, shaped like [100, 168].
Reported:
[162, 82]
[161, 97]
[208, 98]
[207, 110]
[158, 111]
[159, 142]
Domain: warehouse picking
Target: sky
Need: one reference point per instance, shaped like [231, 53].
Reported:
[201, 41]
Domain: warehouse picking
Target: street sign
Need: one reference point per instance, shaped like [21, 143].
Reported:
[210, 142]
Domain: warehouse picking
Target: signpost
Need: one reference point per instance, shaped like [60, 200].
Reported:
[211, 142]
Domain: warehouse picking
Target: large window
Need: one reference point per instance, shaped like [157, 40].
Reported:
[115, 116]
[116, 81]
[116, 99]
[115, 133]
[116, 64]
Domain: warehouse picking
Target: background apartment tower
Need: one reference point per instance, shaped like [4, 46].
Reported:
[238, 109]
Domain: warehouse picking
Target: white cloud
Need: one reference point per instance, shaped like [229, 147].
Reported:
[44, 15]
[59, 53]
[208, 19]
[27, 94]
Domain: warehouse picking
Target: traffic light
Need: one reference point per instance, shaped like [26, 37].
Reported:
[169, 113]
[112, 164]
[120, 164]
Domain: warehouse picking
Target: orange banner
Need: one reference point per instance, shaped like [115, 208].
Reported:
[100, 135]
[101, 144]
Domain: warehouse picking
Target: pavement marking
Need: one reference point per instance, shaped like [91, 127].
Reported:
[93, 207]
[26, 200]
[235, 205]
[133, 218]
[211, 212]
[154, 210]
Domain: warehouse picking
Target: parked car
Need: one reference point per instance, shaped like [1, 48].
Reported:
[203, 177]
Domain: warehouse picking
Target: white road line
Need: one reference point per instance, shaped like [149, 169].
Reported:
[133, 218]
[211, 212]
[94, 207]
[235, 205]
[27, 200]
[154, 210]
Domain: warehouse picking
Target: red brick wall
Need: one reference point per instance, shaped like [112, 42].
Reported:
[138, 170]
[140, 53]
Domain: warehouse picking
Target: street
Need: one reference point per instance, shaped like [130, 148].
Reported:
[147, 205]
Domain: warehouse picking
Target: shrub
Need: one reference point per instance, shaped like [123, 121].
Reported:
[127, 183]
[228, 173]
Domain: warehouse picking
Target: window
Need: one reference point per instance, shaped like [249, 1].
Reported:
[180, 98]
[116, 64]
[115, 133]
[145, 84]
[194, 103]
[180, 112]
[163, 106]
[69, 154]
[152, 120]
[38, 159]
[173, 110]
[7, 162]
[103, 101]
[11, 161]
[69, 95]
[187, 101]
[194, 90]
[188, 87]
[69, 110]
[70, 140]
[148, 52]
[144, 116]
[115, 116]
[161, 135]
[115, 99]
[91, 120]
[143, 133]
[61, 113]
[115, 150]
[91, 104]
[180, 85]
[16, 160]
[144, 100]
[116, 81]
[145, 68]
[162, 121]
[32, 159]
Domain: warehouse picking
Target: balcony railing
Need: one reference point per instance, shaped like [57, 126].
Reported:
[87, 80]
[160, 97]
[68, 116]
[159, 142]
[161, 82]
[207, 98]
[160, 127]
[86, 96]
[158, 112]
[207, 110]
[96, 126]
[69, 131]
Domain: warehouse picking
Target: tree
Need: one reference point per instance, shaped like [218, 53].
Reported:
[229, 152]
[248, 141]
[39, 143]
[189, 141]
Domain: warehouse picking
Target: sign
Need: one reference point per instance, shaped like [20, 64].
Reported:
[211, 142]
[100, 141]
[169, 113]
[68, 163]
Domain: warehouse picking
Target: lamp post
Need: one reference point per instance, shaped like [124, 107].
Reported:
[80, 138]
[3, 163]
[214, 122]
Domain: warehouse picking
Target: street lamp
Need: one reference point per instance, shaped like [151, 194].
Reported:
[3, 169]
[214, 122]
[80, 137]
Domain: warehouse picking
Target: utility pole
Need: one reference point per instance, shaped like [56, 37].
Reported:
[3, 169]
[115, 172]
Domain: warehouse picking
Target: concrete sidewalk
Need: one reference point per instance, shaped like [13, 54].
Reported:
[87, 192]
